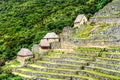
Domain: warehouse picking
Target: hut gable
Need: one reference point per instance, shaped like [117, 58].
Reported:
[80, 20]
[24, 52]
[44, 43]
[51, 35]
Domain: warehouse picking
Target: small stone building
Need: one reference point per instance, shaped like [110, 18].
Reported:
[51, 37]
[80, 20]
[24, 54]
[44, 44]
[36, 51]
[35, 48]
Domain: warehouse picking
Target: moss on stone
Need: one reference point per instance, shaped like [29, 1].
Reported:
[23, 75]
[102, 74]
[34, 65]
[89, 49]
[84, 33]
[107, 69]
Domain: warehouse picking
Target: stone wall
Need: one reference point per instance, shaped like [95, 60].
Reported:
[55, 45]
[90, 42]
[22, 59]
[68, 45]
[66, 33]
[105, 20]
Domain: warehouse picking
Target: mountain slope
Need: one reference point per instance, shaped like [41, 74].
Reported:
[24, 22]
[109, 14]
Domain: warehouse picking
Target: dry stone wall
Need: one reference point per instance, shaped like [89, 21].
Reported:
[109, 14]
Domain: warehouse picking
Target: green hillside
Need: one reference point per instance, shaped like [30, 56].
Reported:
[25, 22]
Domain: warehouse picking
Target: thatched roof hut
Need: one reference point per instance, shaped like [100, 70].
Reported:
[80, 20]
[51, 35]
[23, 55]
[44, 44]
[24, 52]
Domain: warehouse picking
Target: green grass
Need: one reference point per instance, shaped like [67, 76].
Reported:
[34, 65]
[105, 63]
[51, 53]
[23, 75]
[102, 74]
[88, 48]
[85, 58]
[71, 61]
[112, 53]
[15, 63]
[84, 33]
[107, 69]
[68, 75]
[57, 63]
[108, 58]
[29, 70]
[37, 66]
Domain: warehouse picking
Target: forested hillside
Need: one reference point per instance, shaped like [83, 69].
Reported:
[25, 22]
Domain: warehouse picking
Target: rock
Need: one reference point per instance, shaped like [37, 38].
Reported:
[111, 10]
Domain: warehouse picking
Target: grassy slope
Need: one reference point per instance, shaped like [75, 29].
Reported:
[24, 22]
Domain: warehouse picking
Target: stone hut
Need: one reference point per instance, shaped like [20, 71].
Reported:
[44, 44]
[80, 20]
[24, 54]
[51, 37]
[35, 48]
[36, 51]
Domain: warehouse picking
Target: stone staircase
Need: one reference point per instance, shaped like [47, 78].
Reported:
[106, 67]
[85, 64]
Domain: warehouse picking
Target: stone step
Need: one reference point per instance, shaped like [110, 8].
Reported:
[78, 58]
[28, 77]
[79, 54]
[61, 61]
[103, 70]
[35, 73]
[53, 70]
[24, 76]
[98, 75]
[85, 55]
[71, 58]
[112, 55]
[108, 60]
[106, 65]
[58, 65]
[90, 50]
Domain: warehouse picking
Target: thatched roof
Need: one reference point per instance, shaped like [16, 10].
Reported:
[24, 52]
[44, 43]
[51, 35]
[79, 18]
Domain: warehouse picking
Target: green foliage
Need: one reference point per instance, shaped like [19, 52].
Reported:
[5, 76]
[25, 22]
[6, 71]
[84, 33]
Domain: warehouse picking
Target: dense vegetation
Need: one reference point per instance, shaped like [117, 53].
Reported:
[5, 74]
[25, 22]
